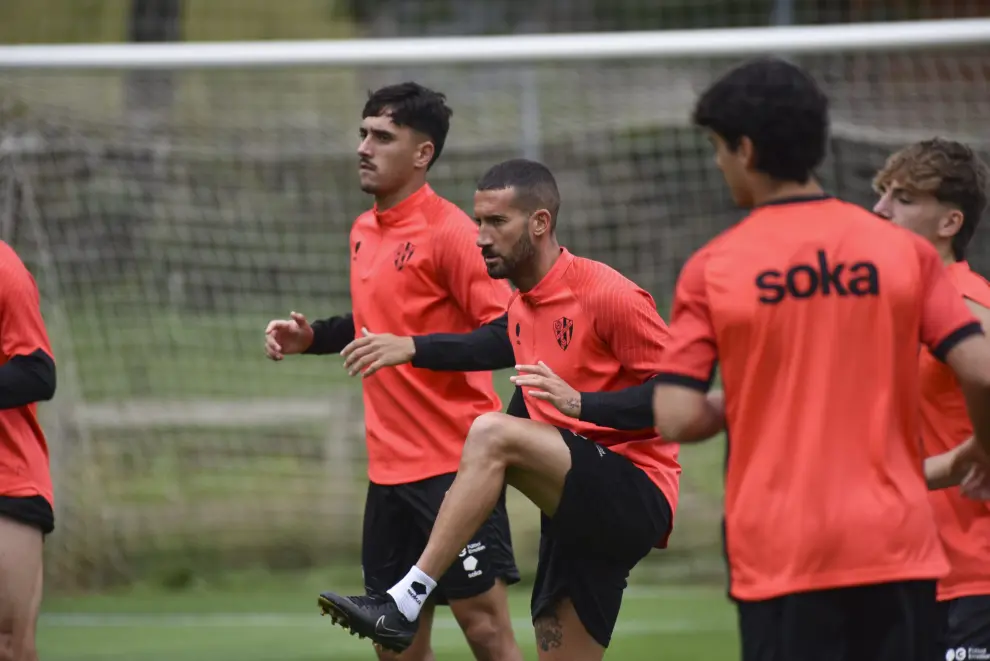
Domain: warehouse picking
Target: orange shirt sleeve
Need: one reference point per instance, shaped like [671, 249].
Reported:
[945, 318]
[463, 273]
[691, 354]
[22, 330]
[626, 319]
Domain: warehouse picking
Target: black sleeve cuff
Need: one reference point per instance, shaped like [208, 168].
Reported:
[484, 349]
[331, 335]
[628, 409]
[428, 351]
[955, 337]
[674, 379]
[27, 379]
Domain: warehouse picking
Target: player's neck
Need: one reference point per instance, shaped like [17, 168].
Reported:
[945, 252]
[773, 191]
[543, 261]
[388, 200]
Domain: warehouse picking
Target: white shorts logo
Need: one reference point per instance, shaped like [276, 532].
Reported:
[470, 563]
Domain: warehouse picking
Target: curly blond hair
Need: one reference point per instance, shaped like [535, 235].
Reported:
[949, 171]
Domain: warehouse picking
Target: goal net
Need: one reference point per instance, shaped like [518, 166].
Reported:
[170, 206]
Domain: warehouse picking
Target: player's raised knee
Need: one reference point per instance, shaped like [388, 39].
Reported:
[491, 432]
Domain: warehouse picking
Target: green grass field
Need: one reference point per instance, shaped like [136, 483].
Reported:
[253, 617]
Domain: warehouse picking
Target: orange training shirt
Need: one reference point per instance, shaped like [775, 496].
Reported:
[964, 524]
[814, 309]
[415, 269]
[24, 464]
[598, 331]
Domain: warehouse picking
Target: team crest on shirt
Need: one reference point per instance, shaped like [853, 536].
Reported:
[563, 329]
[403, 254]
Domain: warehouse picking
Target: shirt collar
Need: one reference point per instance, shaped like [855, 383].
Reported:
[547, 286]
[406, 208]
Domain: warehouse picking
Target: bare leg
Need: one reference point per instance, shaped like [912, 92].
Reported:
[560, 636]
[20, 589]
[487, 625]
[531, 456]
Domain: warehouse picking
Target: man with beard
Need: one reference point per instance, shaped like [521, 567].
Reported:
[415, 269]
[606, 487]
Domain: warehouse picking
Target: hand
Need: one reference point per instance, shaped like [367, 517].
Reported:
[970, 461]
[374, 351]
[285, 337]
[549, 387]
[976, 484]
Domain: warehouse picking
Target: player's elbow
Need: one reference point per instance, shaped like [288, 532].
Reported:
[684, 414]
[678, 414]
[38, 375]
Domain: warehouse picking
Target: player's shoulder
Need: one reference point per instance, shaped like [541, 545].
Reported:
[595, 282]
[971, 284]
[10, 262]
[364, 219]
[448, 217]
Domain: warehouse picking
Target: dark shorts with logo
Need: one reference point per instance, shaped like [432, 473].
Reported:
[963, 625]
[611, 515]
[397, 524]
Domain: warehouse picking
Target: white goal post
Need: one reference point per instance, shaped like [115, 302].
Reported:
[172, 198]
[741, 42]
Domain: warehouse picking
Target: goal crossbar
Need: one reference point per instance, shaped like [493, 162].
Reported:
[728, 42]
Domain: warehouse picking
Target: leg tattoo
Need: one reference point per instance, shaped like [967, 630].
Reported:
[549, 633]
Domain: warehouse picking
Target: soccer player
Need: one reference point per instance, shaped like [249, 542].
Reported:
[814, 309]
[607, 496]
[27, 376]
[938, 189]
[415, 269]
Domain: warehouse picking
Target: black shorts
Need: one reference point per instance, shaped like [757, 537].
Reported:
[609, 518]
[882, 622]
[397, 524]
[32, 510]
[964, 629]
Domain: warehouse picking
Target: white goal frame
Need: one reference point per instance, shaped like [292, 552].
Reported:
[660, 44]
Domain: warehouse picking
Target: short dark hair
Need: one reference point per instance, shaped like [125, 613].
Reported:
[779, 107]
[950, 172]
[534, 184]
[410, 104]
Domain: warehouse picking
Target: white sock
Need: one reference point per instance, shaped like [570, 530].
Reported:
[411, 592]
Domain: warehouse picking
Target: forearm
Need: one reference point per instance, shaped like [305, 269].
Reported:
[484, 349]
[331, 335]
[27, 379]
[626, 409]
[685, 415]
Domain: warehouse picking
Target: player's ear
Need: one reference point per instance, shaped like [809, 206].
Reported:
[950, 224]
[424, 154]
[541, 222]
[746, 152]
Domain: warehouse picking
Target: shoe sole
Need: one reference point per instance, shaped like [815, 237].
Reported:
[343, 620]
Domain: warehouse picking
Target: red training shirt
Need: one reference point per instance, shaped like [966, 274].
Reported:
[24, 463]
[415, 270]
[599, 332]
[814, 308]
[964, 524]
